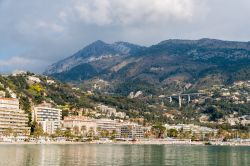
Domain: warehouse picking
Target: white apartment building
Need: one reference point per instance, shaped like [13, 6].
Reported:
[13, 118]
[49, 118]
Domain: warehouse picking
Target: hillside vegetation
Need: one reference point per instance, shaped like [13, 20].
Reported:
[162, 68]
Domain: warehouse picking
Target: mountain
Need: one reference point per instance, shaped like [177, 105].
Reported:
[167, 66]
[96, 51]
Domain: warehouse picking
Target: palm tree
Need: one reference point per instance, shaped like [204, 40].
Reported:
[159, 130]
[38, 130]
[8, 132]
[172, 133]
[91, 132]
[113, 134]
[26, 132]
[76, 130]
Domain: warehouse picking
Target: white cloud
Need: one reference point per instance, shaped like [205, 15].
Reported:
[49, 26]
[106, 12]
[20, 63]
[16, 61]
[36, 33]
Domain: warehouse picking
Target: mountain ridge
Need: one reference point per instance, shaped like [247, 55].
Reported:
[92, 52]
[169, 64]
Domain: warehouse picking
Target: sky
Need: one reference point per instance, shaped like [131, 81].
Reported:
[36, 33]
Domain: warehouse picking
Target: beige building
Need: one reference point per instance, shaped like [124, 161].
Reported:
[12, 118]
[48, 118]
[131, 130]
[84, 126]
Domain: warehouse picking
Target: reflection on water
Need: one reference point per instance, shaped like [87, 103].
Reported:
[45, 155]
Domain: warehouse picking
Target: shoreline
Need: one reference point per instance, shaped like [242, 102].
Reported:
[200, 143]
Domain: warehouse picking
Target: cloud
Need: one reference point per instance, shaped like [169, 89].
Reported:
[49, 26]
[16, 62]
[116, 12]
[35, 34]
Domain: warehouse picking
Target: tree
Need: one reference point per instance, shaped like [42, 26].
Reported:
[172, 133]
[26, 106]
[38, 130]
[83, 130]
[8, 132]
[68, 133]
[113, 134]
[7, 94]
[104, 133]
[58, 132]
[214, 113]
[91, 132]
[185, 134]
[159, 130]
[76, 130]
[26, 132]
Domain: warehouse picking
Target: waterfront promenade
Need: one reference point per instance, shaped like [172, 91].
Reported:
[142, 142]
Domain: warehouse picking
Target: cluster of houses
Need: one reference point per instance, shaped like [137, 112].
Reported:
[110, 112]
[238, 93]
[13, 119]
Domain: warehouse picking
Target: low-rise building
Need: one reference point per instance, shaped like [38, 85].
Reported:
[100, 127]
[34, 79]
[82, 124]
[109, 111]
[194, 129]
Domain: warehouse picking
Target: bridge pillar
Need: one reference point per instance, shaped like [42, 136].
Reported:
[189, 98]
[170, 99]
[180, 101]
[162, 103]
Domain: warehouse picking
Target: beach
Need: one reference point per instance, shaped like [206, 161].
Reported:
[151, 142]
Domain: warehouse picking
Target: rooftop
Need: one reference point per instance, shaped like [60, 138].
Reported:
[9, 99]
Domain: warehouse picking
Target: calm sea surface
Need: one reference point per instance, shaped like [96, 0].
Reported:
[129, 155]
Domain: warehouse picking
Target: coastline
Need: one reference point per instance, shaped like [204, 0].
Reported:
[198, 143]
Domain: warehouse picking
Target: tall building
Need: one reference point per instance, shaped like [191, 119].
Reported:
[48, 118]
[12, 118]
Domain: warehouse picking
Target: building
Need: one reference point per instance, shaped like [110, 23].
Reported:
[85, 126]
[13, 119]
[109, 111]
[48, 118]
[194, 129]
[131, 130]
[80, 125]
[34, 79]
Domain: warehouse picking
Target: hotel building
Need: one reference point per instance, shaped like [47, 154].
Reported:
[48, 118]
[132, 130]
[84, 125]
[13, 118]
